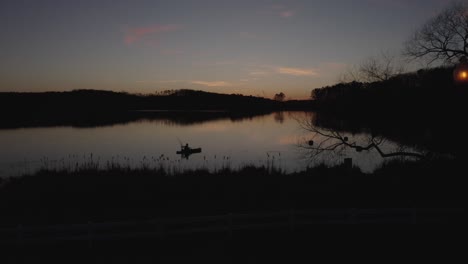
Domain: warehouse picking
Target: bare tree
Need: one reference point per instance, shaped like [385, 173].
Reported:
[381, 68]
[279, 97]
[374, 69]
[443, 38]
[329, 140]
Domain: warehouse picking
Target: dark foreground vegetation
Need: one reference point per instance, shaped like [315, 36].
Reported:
[60, 197]
[249, 215]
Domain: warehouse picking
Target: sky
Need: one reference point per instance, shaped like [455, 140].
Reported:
[252, 47]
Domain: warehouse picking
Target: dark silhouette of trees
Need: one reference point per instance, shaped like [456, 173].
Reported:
[411, 92]
[443, 38]
[279, 97]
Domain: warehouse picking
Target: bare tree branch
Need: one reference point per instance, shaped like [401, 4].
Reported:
[443, 38]
[374, 69]
[332, 140]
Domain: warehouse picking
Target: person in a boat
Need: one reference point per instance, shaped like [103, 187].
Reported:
[186, 147]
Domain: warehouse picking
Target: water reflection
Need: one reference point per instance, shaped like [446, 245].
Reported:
[269, 140]
[169, 118]
[279, 117]
[326, 139]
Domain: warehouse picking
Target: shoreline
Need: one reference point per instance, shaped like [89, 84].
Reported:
[121, 195]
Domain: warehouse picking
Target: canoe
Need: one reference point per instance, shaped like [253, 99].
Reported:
[189, 151]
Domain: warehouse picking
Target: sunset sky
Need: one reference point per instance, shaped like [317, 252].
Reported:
[253, 47]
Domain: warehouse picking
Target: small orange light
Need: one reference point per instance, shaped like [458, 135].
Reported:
[463, 75]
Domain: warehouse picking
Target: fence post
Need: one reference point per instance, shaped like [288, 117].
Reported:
[90, 234]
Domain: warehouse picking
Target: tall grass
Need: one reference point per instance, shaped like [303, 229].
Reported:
[158, 164]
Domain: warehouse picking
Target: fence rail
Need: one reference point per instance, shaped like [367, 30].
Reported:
[228, 223]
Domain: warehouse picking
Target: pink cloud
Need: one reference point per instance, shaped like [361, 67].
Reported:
[212, 84]
[281, 11]
[296, 71]
[135, 35]
[258, 73]
[286, 14]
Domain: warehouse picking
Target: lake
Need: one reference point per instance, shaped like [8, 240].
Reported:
[265, 140]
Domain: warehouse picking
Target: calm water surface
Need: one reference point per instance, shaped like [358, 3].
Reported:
[269, 140]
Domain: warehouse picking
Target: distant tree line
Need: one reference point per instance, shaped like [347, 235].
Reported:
[96, 107]
[421, 89]
[93, 100]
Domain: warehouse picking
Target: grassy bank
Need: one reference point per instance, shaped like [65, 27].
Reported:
[127, 194]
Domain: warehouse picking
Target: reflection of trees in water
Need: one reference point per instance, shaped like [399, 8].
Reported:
[83, 120]
[332, 140]
[185, 118]
[279, 117]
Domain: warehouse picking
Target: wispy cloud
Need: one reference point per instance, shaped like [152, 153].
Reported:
[258, 73]
[171, 81]
[138, 34]
[296, 71]
[281, 11]
[154, 81]
[146, 81]
[212, 84]
[196, 82]
[286, 14]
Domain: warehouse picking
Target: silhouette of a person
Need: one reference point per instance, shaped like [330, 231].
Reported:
[186, 147]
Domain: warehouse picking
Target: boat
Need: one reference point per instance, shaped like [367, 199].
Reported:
[188, 151]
